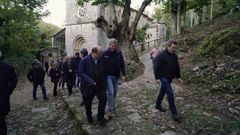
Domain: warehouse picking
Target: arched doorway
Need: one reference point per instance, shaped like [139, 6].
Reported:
[79, 41]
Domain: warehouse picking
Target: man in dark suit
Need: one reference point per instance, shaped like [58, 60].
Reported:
[165, 70]
[93, 81]
[8, 81]
[36, 76]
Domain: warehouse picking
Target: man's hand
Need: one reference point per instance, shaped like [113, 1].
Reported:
[158, 81]
[123, 78]
[179, 80]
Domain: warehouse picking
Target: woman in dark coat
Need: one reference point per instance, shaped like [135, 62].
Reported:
[55, 74]
[69, 71]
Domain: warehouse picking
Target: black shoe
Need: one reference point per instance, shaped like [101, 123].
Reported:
[82, 104]
[161, 109]
[46, 99]
[176, 117]
[90, 120]
[102, 122]
[34, 98]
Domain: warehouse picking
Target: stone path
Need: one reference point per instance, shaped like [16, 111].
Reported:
[135, 109]
[135, 112]
[29, 117]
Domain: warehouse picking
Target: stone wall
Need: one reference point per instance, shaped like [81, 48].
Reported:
[80, 22]
[78, 15]
[87, 31]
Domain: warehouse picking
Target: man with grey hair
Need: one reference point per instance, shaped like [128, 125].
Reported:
[165, 70]
[115, 68]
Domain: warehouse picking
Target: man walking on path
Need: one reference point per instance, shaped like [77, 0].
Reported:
[77, 61]
[36, 75]
[55, 75]
[115, 67]
[69, 71]
[8, 82]
[93, 81]
[167, 69]
[84, 53]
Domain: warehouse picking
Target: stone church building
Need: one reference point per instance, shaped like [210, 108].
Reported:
[81, 32]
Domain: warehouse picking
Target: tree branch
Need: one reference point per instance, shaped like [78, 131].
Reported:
[137, 17]
[113, 16]
[112, 7]
[126, 15]
[108, 29]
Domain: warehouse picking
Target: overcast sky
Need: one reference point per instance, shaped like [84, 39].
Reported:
[57, 9]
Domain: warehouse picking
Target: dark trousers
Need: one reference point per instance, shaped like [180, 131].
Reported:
[62, 81]
[100, 92]
[3, 126]
[70, 83]
[35, 86]
[78, 81]
[166, 89]
[55, 88]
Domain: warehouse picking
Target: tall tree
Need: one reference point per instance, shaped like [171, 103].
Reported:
[18, 30]
[176, 8]
[199, 7]
[123, 30]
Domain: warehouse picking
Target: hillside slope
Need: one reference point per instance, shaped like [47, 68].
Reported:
[212, 54]
[210, 59]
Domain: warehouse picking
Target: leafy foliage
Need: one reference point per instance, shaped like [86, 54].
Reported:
[223, 7]
[48, 29]
[20, 34]
[18, 26]
[104, 2]
[141, 34]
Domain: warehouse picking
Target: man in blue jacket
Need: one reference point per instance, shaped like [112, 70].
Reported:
[8, 81]
[115, 67]
[93, 81]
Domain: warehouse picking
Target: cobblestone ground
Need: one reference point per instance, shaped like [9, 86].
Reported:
[135, 109]
[29, 117]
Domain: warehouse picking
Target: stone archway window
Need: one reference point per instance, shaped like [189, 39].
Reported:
[79, 43]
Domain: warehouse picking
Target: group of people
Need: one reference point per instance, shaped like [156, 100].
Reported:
[61, 72]
[98, 73]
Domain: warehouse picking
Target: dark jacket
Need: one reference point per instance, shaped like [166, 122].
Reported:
[55, 75]
[166, 65]
[77, 61]
[36, 75]
[114, 63]
[66, 71]
[88, 76]
[8, 81]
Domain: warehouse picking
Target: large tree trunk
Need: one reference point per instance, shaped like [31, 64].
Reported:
[125, 34]
[191, 19]
[174, 24]
[211, 10]
[203, 14]
[179, 18]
